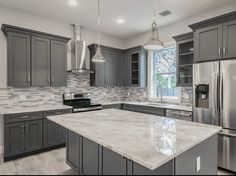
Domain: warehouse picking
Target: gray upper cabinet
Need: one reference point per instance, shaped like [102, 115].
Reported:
[229, 42]
[40, 62]
[122, 67]
[58, 63]
[18, 60]
[215, 39]
[35, 58]
[208, 43]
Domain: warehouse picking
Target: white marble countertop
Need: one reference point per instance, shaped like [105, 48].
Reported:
[153, 104]
[27, 109]
[149, 140]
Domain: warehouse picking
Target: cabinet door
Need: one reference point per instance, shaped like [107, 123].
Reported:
[208, 44]
[229, 31]
[18, 60]
[90, 157]
[40, 61]
[58, 63]
[120, 70]
[13, 139]
[33, 135]
[127, 70]
[51, 133]
[112, 163]
[110, 69]
[62, 133]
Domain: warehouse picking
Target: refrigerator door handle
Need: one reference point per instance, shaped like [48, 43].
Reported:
[221, 98]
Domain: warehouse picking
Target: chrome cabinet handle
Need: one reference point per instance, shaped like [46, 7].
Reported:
[53, 80]
[219, 51]
[224, 50]
[28, 79]
[22, 128]
[49, 80]
[24, 117]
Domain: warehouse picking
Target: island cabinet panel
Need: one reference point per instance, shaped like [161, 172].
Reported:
[199, 160]
[90, 157]
[166, 169]
[112, 163]
[51, 133]
[73, 150]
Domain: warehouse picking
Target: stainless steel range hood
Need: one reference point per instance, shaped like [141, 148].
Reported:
[81, 61]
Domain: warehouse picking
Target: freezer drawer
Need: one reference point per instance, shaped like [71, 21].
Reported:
[227, 152]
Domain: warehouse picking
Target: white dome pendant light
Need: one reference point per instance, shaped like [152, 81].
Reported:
[98, 56]
[154, 41]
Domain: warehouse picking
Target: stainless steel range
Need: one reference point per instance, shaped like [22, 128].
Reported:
[81, 102]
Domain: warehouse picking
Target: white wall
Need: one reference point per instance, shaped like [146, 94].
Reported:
[177, 28]
[31, 21]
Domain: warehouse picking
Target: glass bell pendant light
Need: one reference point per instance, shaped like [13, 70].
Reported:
[98, 56]
[154, 41]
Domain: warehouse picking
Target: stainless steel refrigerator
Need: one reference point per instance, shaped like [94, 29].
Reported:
[214, 102]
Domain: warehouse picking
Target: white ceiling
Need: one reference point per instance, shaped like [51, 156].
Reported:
[137, 13]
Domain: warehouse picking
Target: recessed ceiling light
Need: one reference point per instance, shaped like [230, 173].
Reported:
[120, 21]
[73, 2]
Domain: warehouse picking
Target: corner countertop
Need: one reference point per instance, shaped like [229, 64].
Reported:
[148, 140]
[27, 109]
[153, 104]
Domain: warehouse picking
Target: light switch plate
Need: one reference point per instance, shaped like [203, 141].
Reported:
[198, 167]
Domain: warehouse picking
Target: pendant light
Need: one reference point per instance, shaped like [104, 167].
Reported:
[98, 56]
[154, 41]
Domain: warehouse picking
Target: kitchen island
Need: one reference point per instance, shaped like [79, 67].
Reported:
[118, 142]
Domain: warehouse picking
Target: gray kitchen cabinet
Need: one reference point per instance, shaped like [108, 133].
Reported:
[35, 58]
[166, 169]
[90, 157]
[18, 60]
[33, 135]
[51, 134]
[208, 43]
[40, 61]
[14, 139]
[150, 110]
[127, 70]
[73, 150]
[58, 63]
[214, 39]
[113, 163]
[119, 70]
[229, 43]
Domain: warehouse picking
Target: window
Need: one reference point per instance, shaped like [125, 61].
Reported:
[162, 75]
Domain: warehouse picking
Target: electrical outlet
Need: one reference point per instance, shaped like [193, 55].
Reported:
[198, 167]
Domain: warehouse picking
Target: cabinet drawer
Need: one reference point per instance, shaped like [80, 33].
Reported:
[22, 117]
[180, 115]
[151, 110]
[57, 112]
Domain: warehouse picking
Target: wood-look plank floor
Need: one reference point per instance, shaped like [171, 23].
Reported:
[48, 163]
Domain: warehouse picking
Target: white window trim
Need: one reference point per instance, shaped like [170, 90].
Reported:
[150, 81]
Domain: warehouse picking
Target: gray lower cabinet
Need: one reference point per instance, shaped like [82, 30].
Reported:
[18, 59]
[58, 63]
[40, 56]
[33, 135]
[166, 169]
[14, 139]
[51, 133]
[90, 157]
[113, 163]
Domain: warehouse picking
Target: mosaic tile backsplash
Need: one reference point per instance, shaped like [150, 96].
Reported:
[76, 83]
